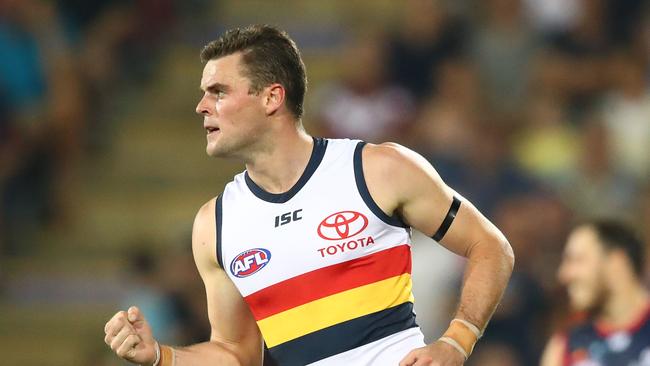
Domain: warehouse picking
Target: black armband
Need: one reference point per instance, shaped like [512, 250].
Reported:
[446, 223]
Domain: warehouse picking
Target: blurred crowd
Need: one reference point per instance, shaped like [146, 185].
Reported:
[538, 111]
[61, 63]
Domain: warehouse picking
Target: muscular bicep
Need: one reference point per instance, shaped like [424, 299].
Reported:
[462, 231]
[230, 318]
[402, 181]
[231, 321]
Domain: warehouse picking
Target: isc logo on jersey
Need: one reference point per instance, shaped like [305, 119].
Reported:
[249, 262]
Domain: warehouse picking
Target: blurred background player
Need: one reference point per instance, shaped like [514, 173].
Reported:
[602, 269]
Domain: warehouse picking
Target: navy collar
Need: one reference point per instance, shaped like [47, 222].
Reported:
[317, 153]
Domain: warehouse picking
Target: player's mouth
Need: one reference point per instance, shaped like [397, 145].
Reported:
[211, 130]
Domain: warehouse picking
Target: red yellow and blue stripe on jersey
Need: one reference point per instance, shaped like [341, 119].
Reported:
[310, 317]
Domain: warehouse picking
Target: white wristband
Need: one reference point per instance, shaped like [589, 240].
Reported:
[157, 355]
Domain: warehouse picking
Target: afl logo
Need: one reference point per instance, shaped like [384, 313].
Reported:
[342, 225]
[249, 262]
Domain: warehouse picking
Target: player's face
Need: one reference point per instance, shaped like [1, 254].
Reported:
[232, 116]
[583, 268]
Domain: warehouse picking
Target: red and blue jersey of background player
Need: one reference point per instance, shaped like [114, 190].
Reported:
[589, 344]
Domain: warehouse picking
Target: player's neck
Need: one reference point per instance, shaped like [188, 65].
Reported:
[282, 163]
[625, 305]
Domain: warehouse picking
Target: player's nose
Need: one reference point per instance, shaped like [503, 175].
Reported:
[203, 107]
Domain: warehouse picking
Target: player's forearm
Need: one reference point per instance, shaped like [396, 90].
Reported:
[488, 270]
[214, 353]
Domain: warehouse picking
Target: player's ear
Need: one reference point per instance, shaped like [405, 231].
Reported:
[274, 96]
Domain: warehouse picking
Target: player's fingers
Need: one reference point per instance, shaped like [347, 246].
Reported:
[134, 314]
[117, 341]
[409, 360]
[108, 338]
[127, 348]
[115, 323]
[425, 361]
[115, 328]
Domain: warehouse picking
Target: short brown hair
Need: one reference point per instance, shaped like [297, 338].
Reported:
[269, 56]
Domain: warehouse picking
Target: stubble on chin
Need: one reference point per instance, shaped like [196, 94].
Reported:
[599, 302]
[215, 153]
[223, 151]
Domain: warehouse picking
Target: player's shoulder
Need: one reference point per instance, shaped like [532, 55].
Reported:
[385, 149]
[386, 152]
[206, 215]
[393, 158]
[208, 206]
[203, 236]
[205, 224]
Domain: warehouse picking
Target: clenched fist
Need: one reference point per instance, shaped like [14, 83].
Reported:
[435, 354]
[129, 336]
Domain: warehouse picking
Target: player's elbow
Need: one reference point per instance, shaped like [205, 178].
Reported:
[503, 249]
[507, 253]
[497, 249]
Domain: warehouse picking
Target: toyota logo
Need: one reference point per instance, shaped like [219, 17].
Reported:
[342, 225]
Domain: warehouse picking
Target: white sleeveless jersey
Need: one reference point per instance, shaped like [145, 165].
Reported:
[325, 272]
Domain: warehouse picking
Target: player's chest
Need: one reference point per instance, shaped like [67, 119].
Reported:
[270, 245]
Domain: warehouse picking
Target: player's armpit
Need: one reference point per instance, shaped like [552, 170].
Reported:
[235, 338]
[554, 352]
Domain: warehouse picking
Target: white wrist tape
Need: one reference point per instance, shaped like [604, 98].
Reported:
[157, 355]
[453, 343]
